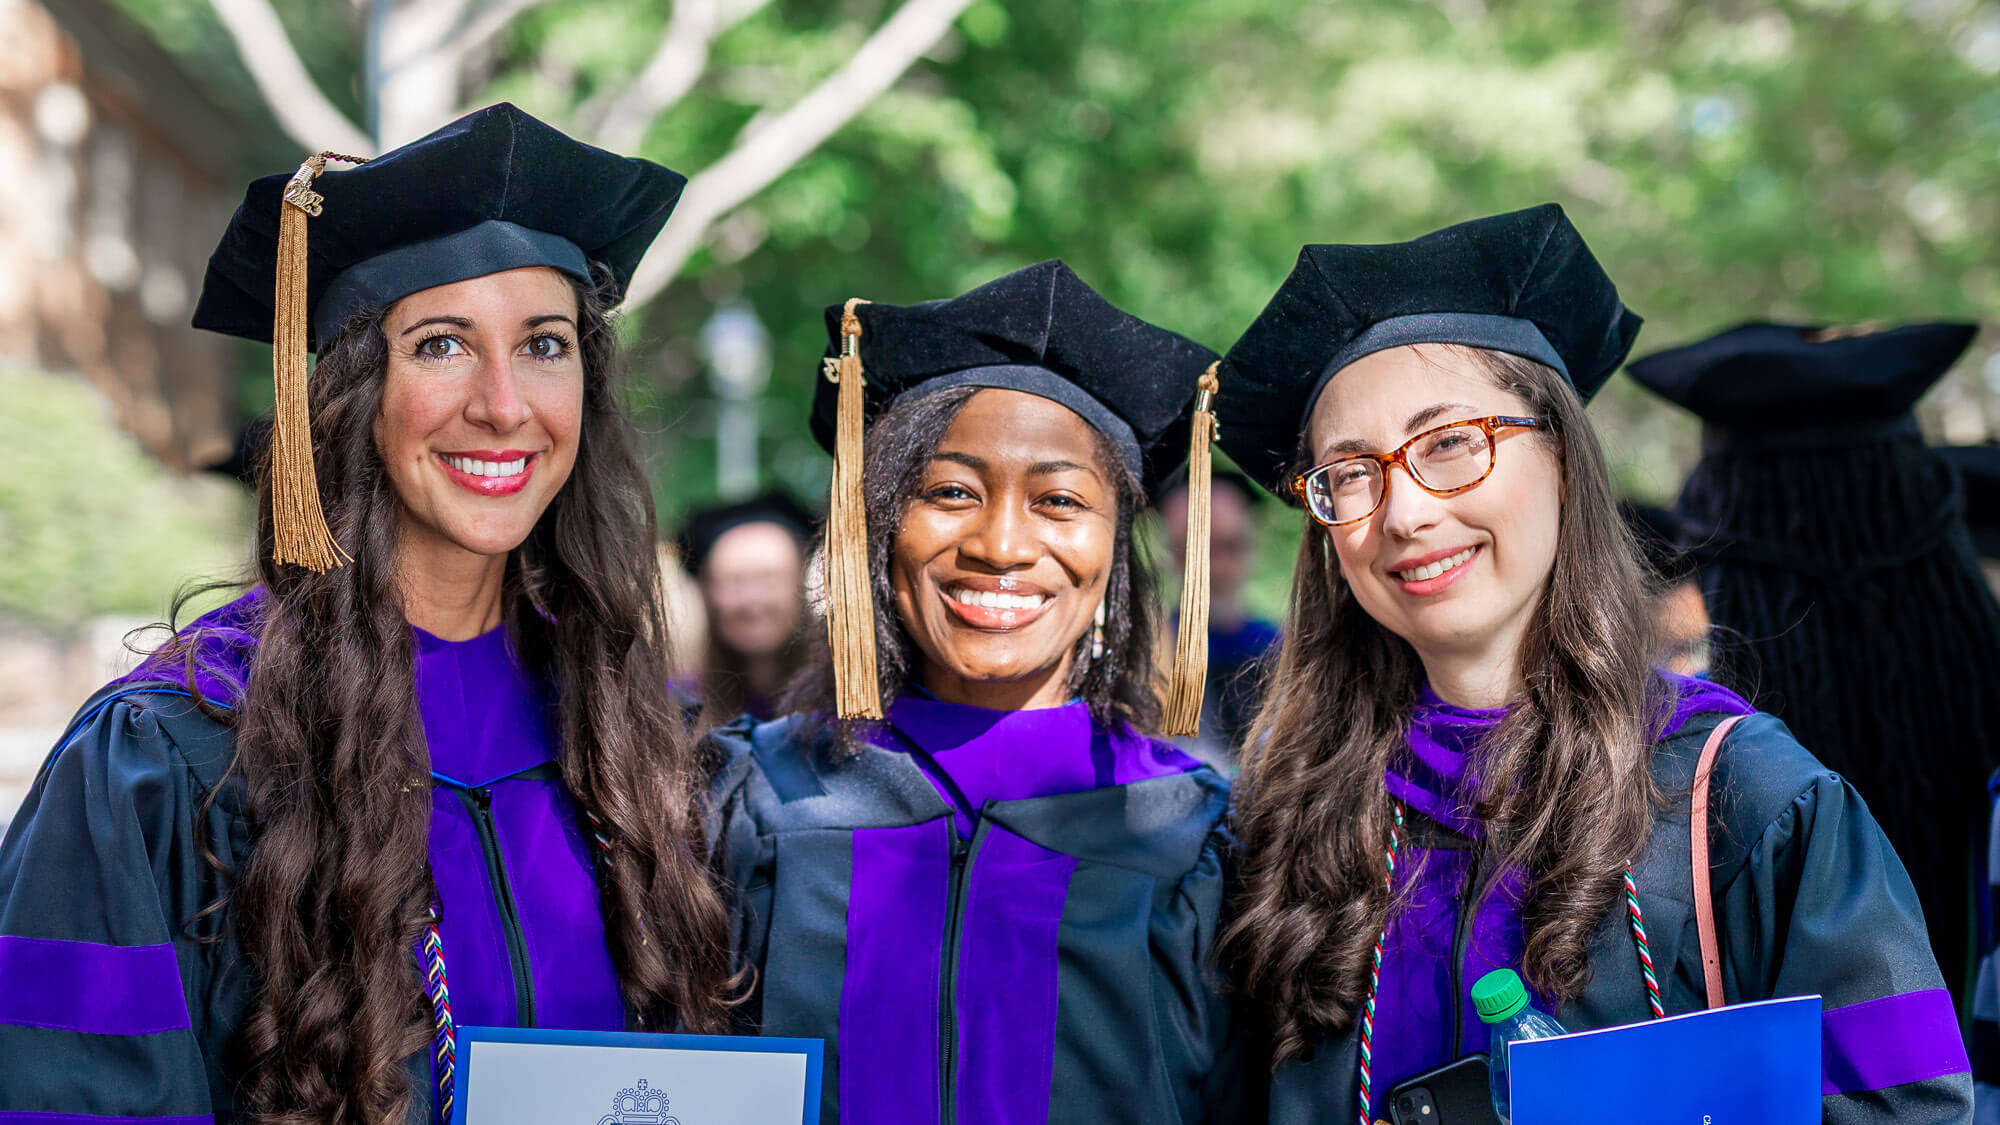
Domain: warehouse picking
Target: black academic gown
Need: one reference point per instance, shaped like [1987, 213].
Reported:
[984, 959]
[1809, 898]
[142, 992]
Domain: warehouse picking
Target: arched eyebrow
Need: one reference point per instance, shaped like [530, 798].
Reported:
[545, 318]
[1046, 468]
[454, 321]
[976, 464]
[1418, 421]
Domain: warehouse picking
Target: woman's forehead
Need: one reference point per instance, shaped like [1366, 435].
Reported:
[1013, 428]
[1388, 395]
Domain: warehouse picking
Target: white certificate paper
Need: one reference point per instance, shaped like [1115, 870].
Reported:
[529, 1076]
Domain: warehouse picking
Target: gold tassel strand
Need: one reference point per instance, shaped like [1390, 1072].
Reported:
[850, 602]
[1190, 676]
[300, 535]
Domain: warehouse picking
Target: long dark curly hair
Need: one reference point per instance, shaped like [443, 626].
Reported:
[1566, 792]
[1120, 686]
[336, 886]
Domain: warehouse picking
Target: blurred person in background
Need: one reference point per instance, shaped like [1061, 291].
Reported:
[995, 898]
[1468, 759]
[749, 560]
[1847, 598]
[1979, 471]
[426, 771]
[1237, 641]
[1680, 617]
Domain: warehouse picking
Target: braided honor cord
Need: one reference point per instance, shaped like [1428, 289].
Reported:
[444, 1055]
[1638, 920]
[1375, 970]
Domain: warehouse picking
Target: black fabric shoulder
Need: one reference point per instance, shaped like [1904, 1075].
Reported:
[1761, 774]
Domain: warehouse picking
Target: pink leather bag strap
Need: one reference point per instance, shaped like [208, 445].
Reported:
[1704, 902]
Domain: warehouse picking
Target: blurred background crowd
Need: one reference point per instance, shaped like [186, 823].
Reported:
[1831, 161]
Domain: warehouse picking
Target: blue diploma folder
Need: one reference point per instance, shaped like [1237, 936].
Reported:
[1748, 1064]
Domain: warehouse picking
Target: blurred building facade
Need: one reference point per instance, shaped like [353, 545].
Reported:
[119, 169]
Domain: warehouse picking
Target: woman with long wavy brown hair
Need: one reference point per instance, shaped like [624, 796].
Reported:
[433, 776]
[1468, 761]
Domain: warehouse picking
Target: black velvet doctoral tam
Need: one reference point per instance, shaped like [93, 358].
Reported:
[1522, 283]
[495, 190]
[1763, 378]
[1038, 330]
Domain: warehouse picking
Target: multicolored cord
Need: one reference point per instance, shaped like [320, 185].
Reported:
[445, 1039]
[1634, 915]
[1375, 970]
[1638, 919]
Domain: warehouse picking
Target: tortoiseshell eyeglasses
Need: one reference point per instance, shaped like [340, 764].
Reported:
[1443, 461]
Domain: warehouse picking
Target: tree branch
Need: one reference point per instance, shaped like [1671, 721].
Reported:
[295, 100]
[488, 21]
[767, 148]
[676, 65]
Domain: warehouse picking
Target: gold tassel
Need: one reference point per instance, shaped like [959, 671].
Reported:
[1190, 676]
[850, 600]
[300, 535]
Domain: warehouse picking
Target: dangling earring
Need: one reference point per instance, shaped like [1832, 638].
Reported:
[1097, 635]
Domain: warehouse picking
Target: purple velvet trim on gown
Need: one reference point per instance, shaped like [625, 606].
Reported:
[1889, 1041]
[1439, 778]
[1004, 1003]
[484, 721]
[896, 906]
[88, 987]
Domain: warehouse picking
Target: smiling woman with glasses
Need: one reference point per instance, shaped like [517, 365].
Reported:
[1468, 762]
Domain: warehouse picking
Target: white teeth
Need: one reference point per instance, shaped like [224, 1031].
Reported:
[475, 468]
[1432, 570]
[988, 599]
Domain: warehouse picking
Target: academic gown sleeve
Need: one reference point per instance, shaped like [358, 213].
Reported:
[114, 997]
[1820, 903]
[745, 858]
[1193, 1006]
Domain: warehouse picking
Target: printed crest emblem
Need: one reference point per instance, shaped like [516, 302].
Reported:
[639, 1105]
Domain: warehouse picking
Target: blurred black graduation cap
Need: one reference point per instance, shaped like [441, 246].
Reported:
[706, 526]
[1767, 382]
[1979, 472]
[1522, 283]
[493, 191]
[1041, 331]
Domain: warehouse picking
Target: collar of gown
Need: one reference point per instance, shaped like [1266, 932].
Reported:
[483, 717]
[1438, 775]
[1020, 755]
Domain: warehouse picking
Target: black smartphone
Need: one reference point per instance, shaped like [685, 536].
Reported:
[1453, 1094]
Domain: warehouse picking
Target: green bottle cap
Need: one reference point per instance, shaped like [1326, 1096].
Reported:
[1499, 995]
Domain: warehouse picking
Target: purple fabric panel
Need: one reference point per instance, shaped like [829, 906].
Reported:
[86, 987]
[225, 647]
[1889, 1041]
[896, 905]
[549, 865]
[1698, 697]
[483, 718]
[1007, 982]
[1413, 1003]
[33, 1117]
[1020, 755]
[1495, 942]
[29, 1117]
[475, 951]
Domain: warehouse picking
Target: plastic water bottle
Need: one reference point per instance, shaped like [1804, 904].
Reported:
[1502, 1003]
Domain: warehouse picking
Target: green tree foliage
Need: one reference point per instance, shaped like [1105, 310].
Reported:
[91, 523]
[1817, 159]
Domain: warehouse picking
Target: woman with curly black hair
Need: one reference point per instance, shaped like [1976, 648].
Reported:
[994, 899]
[426, 772]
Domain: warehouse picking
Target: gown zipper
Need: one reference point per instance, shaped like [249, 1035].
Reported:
[1461, 933]
[962, 854]
[478, 800]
